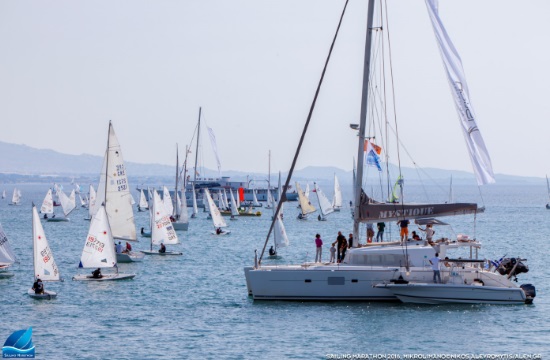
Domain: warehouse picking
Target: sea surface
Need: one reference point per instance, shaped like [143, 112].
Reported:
[196, 306]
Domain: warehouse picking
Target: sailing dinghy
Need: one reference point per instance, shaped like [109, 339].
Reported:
[217, 218]
[68, 204]
[45, 268]
[16, 197]
[7, 257]
[305, 206]
[337, 199]
[325, 207]
[162, 229]
[99, 250]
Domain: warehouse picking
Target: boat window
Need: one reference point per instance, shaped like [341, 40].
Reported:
[336, 280]
[378, 259]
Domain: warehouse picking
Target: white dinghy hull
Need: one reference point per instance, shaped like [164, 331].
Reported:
[46, 295]
[130, 257]
[156, 252]
[107, 277]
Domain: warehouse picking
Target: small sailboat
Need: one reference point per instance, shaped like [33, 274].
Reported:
[280, 237]
[7, 257]
[16, 197]
[3, 194]
[45, 267]
[47, 205]
[180, 218]
[305, 206]
[99, 251]
[162, 230]
[68, 204]
[270, 200]
[195, 207]
[91, 203]
[234, 208]
[217, 218]
[325, 207]
[142, 205]
[337, 199]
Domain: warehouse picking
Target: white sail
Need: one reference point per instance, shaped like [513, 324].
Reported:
[337, 199]
[44, 263]
[92, 201]
[238, 200]
[81, 200]
[184, 212]
[7, 257]
[306, 193]
[215, 148]
[167, 201]
[479, 155]
[324, 204]
[217, 217]
[195, 207]
[68, 204]
[142, 200]
[114, 191]
[234, 208]
[254, 198]
[225, 199]
[162, 230]
[280, 190]
[279, 233]
[99, 249]
[305, 205]
[16, 197]
[47, 203]
[270, 200]
[132, 200]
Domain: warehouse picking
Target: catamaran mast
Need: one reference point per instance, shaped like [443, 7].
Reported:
[176, 212]
[362, 123]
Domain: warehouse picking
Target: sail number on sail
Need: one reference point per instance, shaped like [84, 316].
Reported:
[94, 243]
[46, 257]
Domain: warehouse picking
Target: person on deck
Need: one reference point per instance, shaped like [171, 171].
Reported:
[272, 251]
[339, 241]
[162, 249]
[350, 241]
[218, 231]
[38, 286]
[118, 248]
[128, 247]
[96, 274]
[343, 250]
[380, 234]
[370, 232]
[435, 267]
[429, 233]
[318, 248]
[404, 225]
[415, 236]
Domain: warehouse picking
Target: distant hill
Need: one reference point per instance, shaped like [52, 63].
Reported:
[20, 162]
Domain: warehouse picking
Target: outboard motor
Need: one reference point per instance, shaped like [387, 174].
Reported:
[530, 292]
[507, 266]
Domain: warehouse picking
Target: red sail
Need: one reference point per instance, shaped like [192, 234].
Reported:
[241, 194]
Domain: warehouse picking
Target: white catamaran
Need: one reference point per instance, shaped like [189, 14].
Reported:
[378, 271]
[45, 268]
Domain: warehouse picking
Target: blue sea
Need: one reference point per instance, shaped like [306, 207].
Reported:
[196, 306]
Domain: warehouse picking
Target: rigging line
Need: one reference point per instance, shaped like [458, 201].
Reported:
[289, 176]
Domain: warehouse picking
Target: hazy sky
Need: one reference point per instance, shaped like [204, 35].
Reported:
[68, 67]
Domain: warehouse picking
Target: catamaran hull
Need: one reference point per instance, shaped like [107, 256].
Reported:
[46, 295]
[425, 293]
[130, 257]
[306, 283]
[108, 277]
[156, 252]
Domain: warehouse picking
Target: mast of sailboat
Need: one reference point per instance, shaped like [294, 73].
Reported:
[175, 212]
[362, 123]
[197, 151]
[269, 170]
[107, 167]
[301, 141]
